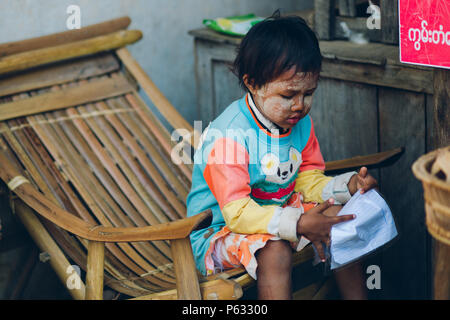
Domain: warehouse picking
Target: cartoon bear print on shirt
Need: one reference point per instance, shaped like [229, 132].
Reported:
[279, 181]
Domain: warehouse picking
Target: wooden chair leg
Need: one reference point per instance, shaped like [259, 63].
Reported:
[46, 243]
[186, 273]
[95, 266]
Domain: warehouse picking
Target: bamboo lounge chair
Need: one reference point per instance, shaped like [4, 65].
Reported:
[89, 169]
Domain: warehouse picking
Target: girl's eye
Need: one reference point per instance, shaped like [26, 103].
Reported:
[308, 94]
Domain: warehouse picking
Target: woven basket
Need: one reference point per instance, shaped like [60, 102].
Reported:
[436, 192]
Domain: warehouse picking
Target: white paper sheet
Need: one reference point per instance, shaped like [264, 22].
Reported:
[373, 227]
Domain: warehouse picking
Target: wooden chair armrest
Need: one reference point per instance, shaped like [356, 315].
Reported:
[374, 160]
[178, 229]
[34, 199]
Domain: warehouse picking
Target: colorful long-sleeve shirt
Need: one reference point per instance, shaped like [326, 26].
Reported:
[245, 173]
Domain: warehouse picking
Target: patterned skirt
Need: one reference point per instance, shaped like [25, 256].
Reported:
[230, 250]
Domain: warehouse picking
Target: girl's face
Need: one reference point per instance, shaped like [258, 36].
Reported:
[287, 99]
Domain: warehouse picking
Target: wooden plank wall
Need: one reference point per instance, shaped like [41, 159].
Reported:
[353, 119]
[344, 115]
[403, 122]
[213, 76]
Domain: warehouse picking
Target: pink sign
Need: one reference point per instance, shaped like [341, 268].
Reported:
[425, 32]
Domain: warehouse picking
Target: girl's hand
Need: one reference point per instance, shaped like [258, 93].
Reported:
[363, 180]
[316, 227]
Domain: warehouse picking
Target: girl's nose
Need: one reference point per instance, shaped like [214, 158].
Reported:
[298, 105]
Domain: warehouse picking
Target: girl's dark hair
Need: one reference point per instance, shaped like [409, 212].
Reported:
[274, 46]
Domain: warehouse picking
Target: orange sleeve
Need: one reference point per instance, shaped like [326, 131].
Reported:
[311, 156]
[226, 171]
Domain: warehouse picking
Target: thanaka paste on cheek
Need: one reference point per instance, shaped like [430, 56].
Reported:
[272, 106]
[308, 103]
[278, 109]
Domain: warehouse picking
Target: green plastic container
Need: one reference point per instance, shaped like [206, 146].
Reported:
[235, 26]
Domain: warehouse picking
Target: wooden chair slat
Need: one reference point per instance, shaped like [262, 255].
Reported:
[59, 235]
[132, 169]
[116, 148]
[147, 268]
[149, 167]
[219, 289]
[29, 59]
[151, 146]
[145, 137]
[109, 207]
[120, 180]
[67, 243]
[64, 37]
[48, 176]
[22, 155]
[158, 130]
[65, 193]
[74, 144]
[118, 177]
[153, 190]
[178, 175]
[159, 100]
[115, 214]
[129, 257]
[47, 76]
[86, 151]
[120, 252]
[107, 172]
[147, 147]
[20, 142]
[61, 99]
[31, 168]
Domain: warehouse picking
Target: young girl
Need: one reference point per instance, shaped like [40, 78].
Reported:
[259, 168]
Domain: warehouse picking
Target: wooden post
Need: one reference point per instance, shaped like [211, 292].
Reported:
[441, 126]
[389, 21]
[347, 8]
[95, 266]
[324, 11]
[441, 110]
[186, 273]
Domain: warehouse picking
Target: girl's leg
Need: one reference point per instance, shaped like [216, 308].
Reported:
[274, 271]
[349, 279]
